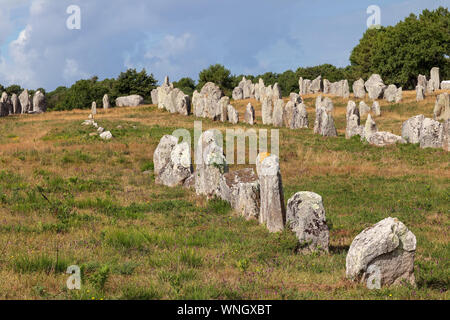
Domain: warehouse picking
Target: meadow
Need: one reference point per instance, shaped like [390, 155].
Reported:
[68, 198]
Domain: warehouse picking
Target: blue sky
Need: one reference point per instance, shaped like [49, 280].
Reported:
[181, 37]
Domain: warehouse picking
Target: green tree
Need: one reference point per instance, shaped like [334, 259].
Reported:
[217, 74]
[187, 85]
[133, 82]
[14, 89]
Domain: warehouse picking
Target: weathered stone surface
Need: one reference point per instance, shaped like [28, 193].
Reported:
[353, 127]
[183, 104]
[375, 86]
[390, 92]
[16, 107]
[306, 217]
[178, 167]
[411, 129]
[197, 104]
[399, 95]
[351, 109]
[446, 135]
[358, 89]
[431, 134]
[129, 101]
[238, 93]
[161, 156]
[435, 78]
[278, 113]
[211, 164]
[273, 211]
[420, 93]
[324, 124]
[316, 85]
[233, 115]
[106, 102]
[39, 103]
[4, 105]
[295, 98]
[299, 117]
[383, 138]
[154, 95]
[382, 255]
[94, 108]
[442, 107]
[422, 81]
[376, 108]
[304, 86]
[106, 135]
[223, 107]
[430, 87]
[276, 91]
[266, 110]
[207, 103]
[370, 127]
[345, 89]
[364, 109]
[25, 101]
[326, 86]
[445, 85]
[241, 189]
[249, 116]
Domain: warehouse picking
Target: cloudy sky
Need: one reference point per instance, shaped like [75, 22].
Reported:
[181, 37]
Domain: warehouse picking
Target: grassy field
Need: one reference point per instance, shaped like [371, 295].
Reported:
[68, 198]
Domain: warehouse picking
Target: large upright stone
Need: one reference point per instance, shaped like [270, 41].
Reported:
[238, 93]
[278, 113]
[106, 103]
[345, 89]
[316, 85]
[442, 107]
[399, 95]
[211, 164]
[358, 89]
[375, 86]
[324, 124]
[353, 127]
[376, 108]
[4, 105]
[431, 134]
[223, 107]
[390, 93]
[154, 95]
[411, 129]
[382, 255]
[306, 217]
[420, 93]
[233, 115]
[161, 156]
[39, 103]
[445, 85]
[326, 86]
[94, 108]
[249, 116]
[435, 78]
[422, 81]
[364, 109]
[16, 107]
[446, 135]
[241, 189]
[25, 101]
[276, 92]
[299, 117]
[273, 211]
[266, 110]
[129, 101]
[370, 127]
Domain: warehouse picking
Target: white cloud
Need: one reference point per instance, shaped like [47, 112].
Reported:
[72, 71]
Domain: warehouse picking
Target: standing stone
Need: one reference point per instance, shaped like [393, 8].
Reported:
[94, 108]
[39, 103]
[233, 116]
[420, 93]
[106, 103]
[442, 107]
[430, 87]
[211, 94]
[376, 108]
[154, 95]
[434, 78]
[4, 107]
[299, 117]
[238, 93]
[161, 156]
[370, 128]
[249, 116]
[382, 255]
[306, 217]
[383, 138]
[278, 113]
[422, 81]
[390, 93]
[241, 189]
[129, 101]
[276, 91]
[345, 91]
[351, 109]
[358, 89]
[266, 110]
[288, 114]
[295, 98]
[25, 101]
[353, 127]
[445, 85]
[183, 104]
[399, 95]
[431, 134]
[211, 165]
[197, 104]
[364, 109]
[446, 135]
[411, 129]
[375, 86]
[324, 124]
[223, 106]
[178, 167]
[273, 211]
[316, 85]
[326, 86]
[17, 108]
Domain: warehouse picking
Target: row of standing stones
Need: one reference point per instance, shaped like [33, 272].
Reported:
[23, 103]
[381, 255]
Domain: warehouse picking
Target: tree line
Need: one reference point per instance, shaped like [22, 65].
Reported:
[398, 53]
